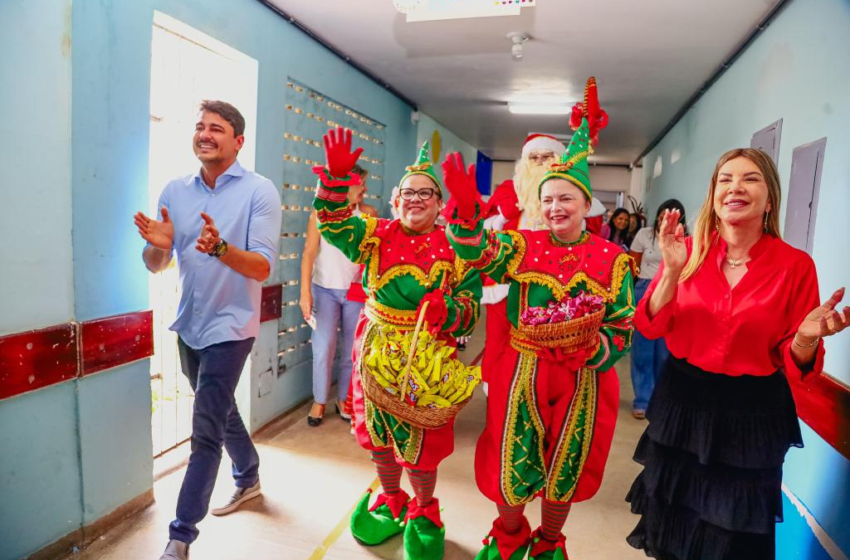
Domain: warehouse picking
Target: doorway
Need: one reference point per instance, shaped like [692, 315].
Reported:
[187, 66]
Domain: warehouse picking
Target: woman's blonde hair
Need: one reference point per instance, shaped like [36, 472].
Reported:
[707, 219]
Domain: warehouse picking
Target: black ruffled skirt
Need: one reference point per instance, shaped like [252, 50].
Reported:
[712, 456]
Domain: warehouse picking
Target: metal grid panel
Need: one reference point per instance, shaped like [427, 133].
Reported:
[309, 115]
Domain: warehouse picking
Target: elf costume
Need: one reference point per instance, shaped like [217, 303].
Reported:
[550, 413]
[504, 212]
[402, 270]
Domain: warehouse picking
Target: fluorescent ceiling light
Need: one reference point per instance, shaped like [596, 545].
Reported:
[540, 108]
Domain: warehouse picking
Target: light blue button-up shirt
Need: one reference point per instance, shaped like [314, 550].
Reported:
[218, 304]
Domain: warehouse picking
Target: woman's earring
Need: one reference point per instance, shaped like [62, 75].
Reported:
[766, 214]
[717, 223]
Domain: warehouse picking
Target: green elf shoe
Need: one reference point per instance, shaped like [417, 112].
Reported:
[371, 526]
[424, 533]
[542, 549]
[501, 545]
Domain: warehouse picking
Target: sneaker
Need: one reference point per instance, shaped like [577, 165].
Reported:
[239, 497]
[175, 550]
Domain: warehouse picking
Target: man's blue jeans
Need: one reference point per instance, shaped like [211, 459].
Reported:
[332, 311]
[648, 356]
[213, 373]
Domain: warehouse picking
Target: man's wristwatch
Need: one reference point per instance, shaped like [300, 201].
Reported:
[219, 249]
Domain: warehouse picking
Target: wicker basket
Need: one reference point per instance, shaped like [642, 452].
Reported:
[569, 335]
[418, 416]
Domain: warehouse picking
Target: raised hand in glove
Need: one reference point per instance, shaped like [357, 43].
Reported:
[461, 185]
[437, 311]
[338, 155]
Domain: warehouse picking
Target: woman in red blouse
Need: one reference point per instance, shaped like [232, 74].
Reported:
[739, 309]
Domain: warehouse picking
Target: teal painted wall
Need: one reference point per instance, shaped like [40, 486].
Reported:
[796, 70]
[38, 439]
[35, 127]
[40, 474]
[115, 438]
[450, 141]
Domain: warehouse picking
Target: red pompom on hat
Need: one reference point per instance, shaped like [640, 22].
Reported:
[542, 143]
[597, 118]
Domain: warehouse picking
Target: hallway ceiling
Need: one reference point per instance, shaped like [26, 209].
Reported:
[648, 57]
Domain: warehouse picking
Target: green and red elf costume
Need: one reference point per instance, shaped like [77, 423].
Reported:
[550, 414]
[403, 269]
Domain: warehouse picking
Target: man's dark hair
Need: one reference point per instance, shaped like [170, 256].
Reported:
[357, 170]
[228, 112]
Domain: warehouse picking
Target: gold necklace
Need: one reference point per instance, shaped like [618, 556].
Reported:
[735, 263]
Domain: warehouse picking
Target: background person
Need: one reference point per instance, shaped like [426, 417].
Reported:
[327, 277]
[648, 356]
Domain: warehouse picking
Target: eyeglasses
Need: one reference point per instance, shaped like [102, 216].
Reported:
[541, 157]
[423, 194]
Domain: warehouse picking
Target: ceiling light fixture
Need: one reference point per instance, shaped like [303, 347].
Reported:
[517, 38]
[540, 108]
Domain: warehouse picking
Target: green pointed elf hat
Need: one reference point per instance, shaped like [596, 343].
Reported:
[423, 166]
[572, 166]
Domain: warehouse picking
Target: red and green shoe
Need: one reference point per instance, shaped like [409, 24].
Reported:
[424, 533]
[372, 526]
[501, 545]
[543, 549]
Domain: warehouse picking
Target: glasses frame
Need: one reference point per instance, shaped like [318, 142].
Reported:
[416, 193]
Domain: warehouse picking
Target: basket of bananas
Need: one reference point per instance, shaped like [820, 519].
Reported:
[416, 377]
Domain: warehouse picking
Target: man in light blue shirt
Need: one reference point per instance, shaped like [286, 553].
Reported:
[224, 225]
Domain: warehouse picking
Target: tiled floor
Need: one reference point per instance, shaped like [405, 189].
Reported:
[312, 477]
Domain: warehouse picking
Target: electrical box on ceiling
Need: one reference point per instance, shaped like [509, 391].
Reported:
[434, 10]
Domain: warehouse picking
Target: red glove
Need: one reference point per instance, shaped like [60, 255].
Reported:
[338, 155]
[461, 186]
[437, 311]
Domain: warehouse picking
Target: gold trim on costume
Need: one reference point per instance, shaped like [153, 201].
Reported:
[584, 400]
[521, 391]
[384, 315]
[560, 290]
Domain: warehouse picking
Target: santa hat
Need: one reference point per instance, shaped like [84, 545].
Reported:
[542, 143]
[423, 166]
[572, 166]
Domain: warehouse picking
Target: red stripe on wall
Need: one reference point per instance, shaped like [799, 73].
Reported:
[36, 359]
[824, 404]
[118, 340]
[270, 305]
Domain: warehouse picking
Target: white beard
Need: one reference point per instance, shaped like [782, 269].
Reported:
[526, 181]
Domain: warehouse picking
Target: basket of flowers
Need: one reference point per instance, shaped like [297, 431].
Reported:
[571, 324]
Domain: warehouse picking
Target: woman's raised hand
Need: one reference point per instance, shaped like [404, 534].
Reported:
[461, 185]
[338, 155]
[671, 241]
[825, 320]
